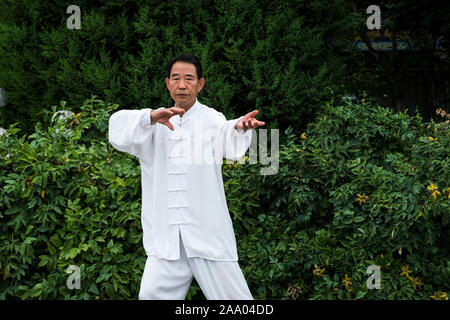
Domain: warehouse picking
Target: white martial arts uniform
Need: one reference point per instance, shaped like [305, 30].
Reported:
[183, 196]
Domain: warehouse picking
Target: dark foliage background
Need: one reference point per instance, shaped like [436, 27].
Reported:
[281, 57]
[362, 186]
[285, 58]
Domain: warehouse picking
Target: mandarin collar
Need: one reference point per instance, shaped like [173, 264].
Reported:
[188, 114]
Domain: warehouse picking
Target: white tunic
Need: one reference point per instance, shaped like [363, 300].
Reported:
[181, 172]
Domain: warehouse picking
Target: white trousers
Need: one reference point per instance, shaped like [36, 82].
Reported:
[170, 279]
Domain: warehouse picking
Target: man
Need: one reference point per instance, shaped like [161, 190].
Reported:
[187, 229]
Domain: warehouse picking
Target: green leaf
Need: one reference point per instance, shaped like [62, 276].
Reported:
[29, 229]
[93, 288]
[360, 294]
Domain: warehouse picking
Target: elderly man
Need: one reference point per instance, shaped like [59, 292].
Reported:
[187, 230]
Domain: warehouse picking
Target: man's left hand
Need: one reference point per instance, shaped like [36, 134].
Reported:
[249, 122]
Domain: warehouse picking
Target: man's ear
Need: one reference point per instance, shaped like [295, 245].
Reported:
[201, 84]
[167, 83]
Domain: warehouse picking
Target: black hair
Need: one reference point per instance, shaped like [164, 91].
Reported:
[186, 57]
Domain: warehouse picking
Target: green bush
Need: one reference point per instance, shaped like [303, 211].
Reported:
[69, 198]
[303, 231]
[274, 55]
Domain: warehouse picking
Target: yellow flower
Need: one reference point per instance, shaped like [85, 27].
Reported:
[435, 194]
[320, 272]
[43, 194]
[432, 187]
[347, 282]
[405, 271]
[294, 291]
[433, 139]
[438, 295]
[303, 135]
[362, 199]
[416, 282]
[434, 191]
[76, 118]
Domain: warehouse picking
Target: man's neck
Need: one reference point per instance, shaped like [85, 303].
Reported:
[186, 108]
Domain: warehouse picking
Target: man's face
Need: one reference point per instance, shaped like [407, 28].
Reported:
[184, 84]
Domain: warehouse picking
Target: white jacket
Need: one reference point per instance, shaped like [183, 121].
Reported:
[181, 171]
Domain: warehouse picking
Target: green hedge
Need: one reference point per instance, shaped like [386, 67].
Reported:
[277, 55]
[69, 198]
[306, 222]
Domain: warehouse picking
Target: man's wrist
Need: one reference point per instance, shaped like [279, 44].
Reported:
[239, 129]
[151, 119]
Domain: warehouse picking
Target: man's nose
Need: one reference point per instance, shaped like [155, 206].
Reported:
[182, 84]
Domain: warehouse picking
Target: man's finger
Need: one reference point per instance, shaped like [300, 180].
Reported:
[169, 125]
[255, 124]
[177, 110]
[253, 113]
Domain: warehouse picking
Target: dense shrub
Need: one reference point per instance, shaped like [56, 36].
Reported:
[351, 192]
[276, 55]
[69, 198]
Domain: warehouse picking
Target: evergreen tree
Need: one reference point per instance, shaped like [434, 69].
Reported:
[282, 57]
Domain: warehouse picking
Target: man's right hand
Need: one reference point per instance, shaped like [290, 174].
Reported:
[163, 115]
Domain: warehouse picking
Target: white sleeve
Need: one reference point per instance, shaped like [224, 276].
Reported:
[131, 131]
[236, 142]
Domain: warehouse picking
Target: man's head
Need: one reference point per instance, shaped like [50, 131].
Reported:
[184, 79]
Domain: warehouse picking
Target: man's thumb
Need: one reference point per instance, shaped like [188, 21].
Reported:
[169, 125]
